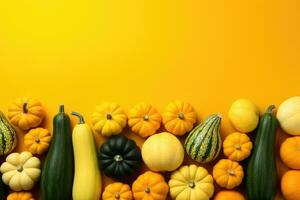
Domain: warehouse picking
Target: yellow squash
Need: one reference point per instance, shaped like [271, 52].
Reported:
[87, 179]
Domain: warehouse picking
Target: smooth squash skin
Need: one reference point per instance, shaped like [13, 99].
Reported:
[87, 179]
[58, 172]
[261, 169]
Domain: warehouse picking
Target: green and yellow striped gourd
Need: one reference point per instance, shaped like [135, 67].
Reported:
[203, 143]
[8, 138]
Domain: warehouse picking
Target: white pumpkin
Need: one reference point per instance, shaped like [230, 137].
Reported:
[21, 171]
[288, 115]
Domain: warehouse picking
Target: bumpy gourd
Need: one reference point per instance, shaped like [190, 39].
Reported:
[8, 137]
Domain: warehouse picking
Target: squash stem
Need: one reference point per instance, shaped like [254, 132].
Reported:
[61, 108]
[25, 110]
[80, 117]
[270, 108]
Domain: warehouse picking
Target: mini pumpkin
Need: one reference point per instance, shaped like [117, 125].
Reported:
[228, 174]
[109, 119]
[20, 196]
[144, 119]
[237, 146]
[290, 185]
[117, 191]
[229, 195]
[191, 182]
[290, 152]
[37, 140]
[150, 186]
[21, 171]
[179, 117]
[26, 113]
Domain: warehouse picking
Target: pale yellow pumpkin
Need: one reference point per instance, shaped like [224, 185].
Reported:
[109, 119]
[37, 140]
[144, 119]
[117, 191]
[179, 117]
[191, 183]
[26, 113]
[20, 196]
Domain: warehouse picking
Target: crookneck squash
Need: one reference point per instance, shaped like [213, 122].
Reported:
[261, 169]
[8, 138]
[37, 140]
[87, 179]
[119, 158]
[57, 174]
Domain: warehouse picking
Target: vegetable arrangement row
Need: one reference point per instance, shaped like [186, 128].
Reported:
[71, 169]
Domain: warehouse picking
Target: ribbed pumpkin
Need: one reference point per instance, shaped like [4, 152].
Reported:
[37, 140]
[20, 196]
[237, 146]
[117, 191]
[144, 119]
[290, 184]
[150, 186]
[109, 119]
[26, 113]
[290, 152]
[229, 195]
[228, 174]
[191, 183]
[8, 137]
[179, 117]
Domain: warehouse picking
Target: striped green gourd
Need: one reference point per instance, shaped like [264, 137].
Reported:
[8, 138]
[204, 142]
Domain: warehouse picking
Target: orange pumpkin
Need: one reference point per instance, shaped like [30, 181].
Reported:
[237, 146]
[228, 174]
[229, 195]
[26, 113]
[150, 186]
[290, 152]
[117, 191]
[179, 117]
[20, 196]
[37, 140]
[144, 119]
[290, 185]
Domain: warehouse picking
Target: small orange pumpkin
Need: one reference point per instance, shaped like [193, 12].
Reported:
[290, 184]
[144, 119]
[228, 174]
[150, 186]
[290, 152]
[229, 195]
[20, 196]
[26, 113]
[117, 191]
[37, 140]
[179, 117]
[237, 146]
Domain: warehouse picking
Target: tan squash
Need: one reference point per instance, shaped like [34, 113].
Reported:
[290, 184]
[117, 191]
[20, 196]
[37, 140]
[290, 152]
[229, 195]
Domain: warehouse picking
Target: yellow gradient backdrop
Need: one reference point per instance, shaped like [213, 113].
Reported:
[209, 53]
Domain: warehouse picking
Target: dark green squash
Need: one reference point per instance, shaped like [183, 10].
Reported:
[3, 189]
[261, 169]
[58, 170]
[119, 158]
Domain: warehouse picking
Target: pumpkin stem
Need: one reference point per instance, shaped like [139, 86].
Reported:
[80, 117]
[231, 172]
[181, 115]
[146, 117]
[270, 108]
[118, 158]
[117, 195]
[20, 168]
[147, 190]
[37, 140]
[25, 109]
[108, 116]
[238, 147]
[191, 184]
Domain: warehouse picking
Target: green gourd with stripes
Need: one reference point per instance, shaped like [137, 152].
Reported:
[8, 138]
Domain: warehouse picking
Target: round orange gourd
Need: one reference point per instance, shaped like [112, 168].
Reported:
[117, 191]
[179, 117]
[150, 186]
[228, 173]
[290, 184]
[290, 152]
[229, 195]
[144, 119]
[237, 146]
[37, 140]
[20, 196]
[26, 113]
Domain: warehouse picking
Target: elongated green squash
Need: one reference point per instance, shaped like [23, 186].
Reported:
[8, 138]
[261, 169]
[57, 173]
[203, 143]
[3, 189]
[87, 179]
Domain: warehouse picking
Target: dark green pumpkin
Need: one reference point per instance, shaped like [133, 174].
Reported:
[119, 157]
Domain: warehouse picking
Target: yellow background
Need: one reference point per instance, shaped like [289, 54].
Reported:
[209, 53]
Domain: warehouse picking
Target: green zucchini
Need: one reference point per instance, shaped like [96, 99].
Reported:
[58, 170]
[203, 143]
[3, 189]
[261, 169]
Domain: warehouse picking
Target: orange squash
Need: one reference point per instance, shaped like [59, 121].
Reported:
[26, 113]
[237, 146]
[150, 186]
[229, 195]
[144, 119]
[37, 140]
[179, 117]
[290, 185]
[117, 191]
[20, 196]
[290, 152]
[228, 174]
